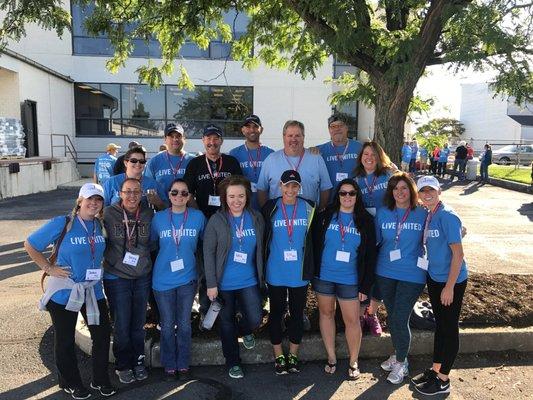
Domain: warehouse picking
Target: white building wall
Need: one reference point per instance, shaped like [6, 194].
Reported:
[9, 94]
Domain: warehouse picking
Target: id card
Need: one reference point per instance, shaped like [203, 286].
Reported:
[341, 176]
[343, 256]
[254, 187]
[290, 255]
[422, 263]
[371, 211]
[395, 255]
[176, 265]
[93, 274]
[240, 257]
[214, 201]
[131, 259]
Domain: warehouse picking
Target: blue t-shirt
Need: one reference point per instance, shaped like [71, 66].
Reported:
[373, 189]
[113, 184]
[410, 244]
[103, 167]
[239, 275]
[312, 169]
[251, 162]
[444, 153]
[444, 229]
[406, 153]
[166, 276]
[339, 269]
[165, 167]
[74, 251]
[340, 166]
[414, 152]
[423, 152]
[278, 271]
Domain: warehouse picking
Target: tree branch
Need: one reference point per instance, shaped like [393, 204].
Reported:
[475, 55]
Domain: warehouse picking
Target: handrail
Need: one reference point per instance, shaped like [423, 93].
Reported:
[67, 147]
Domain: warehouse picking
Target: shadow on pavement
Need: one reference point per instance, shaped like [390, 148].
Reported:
[527, 210]
[13, 254]
[38, 206]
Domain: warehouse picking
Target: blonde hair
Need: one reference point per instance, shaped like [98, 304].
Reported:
[99, 217]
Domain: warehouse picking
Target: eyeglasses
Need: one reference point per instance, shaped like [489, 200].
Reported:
[131, 192]
[183, 193]
[135, 161]
[351, 193]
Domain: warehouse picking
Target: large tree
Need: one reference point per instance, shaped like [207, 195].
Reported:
[391, 42]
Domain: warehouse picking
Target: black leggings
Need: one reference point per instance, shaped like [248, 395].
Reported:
[64, 322]
[446, 342]
[278, 304]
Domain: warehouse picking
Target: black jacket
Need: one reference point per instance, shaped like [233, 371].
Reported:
[366, 253]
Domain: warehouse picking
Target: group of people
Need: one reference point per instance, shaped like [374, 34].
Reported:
[232, 227]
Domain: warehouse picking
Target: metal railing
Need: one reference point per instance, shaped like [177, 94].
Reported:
[66, 145]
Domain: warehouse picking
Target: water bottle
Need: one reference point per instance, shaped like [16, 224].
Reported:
[212, 314]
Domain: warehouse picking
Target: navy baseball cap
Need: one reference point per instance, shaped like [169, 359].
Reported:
[212, 130]
[171, 128]
[290, 176]
[254, 119]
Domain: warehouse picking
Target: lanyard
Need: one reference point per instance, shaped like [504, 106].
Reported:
[428, 221]
[214, 175]
[176, 234]
[91, 238]
[371, 186]
[289, 223]
[254, 163]
[178, 165]
[343, 229]
[239, 230]
[340, 157]
[399, 225]
[294, 168]
[130, 234]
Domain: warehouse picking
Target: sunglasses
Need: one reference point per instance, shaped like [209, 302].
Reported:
[183, 193]
[135, 161]
[351, 193]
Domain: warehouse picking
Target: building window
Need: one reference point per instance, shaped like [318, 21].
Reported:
[349, 109]
[136, 110]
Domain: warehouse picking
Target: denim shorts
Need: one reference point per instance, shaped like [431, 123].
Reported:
[341, 291]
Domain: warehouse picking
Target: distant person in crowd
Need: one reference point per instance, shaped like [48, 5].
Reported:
[399, 276]
[178, 232]
[289, 266]
[103, 165]
[233, 259]
[423, 159]
[406, 157]
[252, 153]
[435, 154]
[315, 184]
[169, 165]
[344, 257]
[414, 154]
[470, 152]
[75, 285]
[119, 167]
[446, 282]
[461, 154]
[162, 148]
[443, 160]
[152, 192]
[127, 278]
[485, 160]
[340, 153]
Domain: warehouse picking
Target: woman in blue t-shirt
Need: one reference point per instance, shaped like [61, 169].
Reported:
[75, 284]
[289, 266]
[399, 276]
[233, 259]
[447, 280]
[178, 231]
[345, 258]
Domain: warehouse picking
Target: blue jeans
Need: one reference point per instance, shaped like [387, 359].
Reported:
[484, 171]
[462, 167]
[175, 309]
[128, 299]
[399, 298]
[249, 302]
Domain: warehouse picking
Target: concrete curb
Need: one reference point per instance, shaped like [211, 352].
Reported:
[519, 187]
[209, 352]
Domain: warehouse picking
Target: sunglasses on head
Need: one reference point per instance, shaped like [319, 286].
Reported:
[351, 193]
[135, 161]
[183, 193]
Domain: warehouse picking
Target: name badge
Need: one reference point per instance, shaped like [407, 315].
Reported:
[341, 176]
[254, 187]
[176, 265]
[395, 255]
[343, 256]
[422, 263]
[290, 255]
[131, 259]
[240, 257]
[371, 211]
[93, 274]
[214, 201]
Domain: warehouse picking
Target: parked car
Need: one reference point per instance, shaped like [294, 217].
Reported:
[509, 154]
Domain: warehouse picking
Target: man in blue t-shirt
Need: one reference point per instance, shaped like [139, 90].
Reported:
[103, 165]
[406, 156]
[251, 154]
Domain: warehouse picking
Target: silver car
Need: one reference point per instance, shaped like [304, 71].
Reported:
[510, 153]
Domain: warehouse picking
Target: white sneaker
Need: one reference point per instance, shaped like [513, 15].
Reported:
[388, 363]
[399, 371]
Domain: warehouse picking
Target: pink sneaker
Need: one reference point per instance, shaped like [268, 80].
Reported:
[372, 322]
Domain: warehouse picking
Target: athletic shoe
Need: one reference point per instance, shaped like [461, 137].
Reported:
[292, 364]
[105, 390]
[248, 341]
[169, 375]
[374, 327]
[140, 372]
[399, 371]
[236, 372]
[423, 377]
[78, 392]
[433, 386]
[280, 365]
[388, 363]
[126, 376]
[307, 323]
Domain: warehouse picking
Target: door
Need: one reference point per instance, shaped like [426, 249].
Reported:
[29, 122]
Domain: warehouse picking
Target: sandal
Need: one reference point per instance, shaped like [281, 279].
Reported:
[353, 372]
[330, 368]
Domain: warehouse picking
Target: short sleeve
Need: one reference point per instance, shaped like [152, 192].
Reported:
[262, 181]
[325, 182]
[377, 225]
[47, 234]
[148, 171]
[451, 225]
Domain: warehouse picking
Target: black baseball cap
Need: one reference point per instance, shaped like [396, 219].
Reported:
[254, 119]
[335, 118]
[212, 129]
[290, 176]
[171, 128]
[133, 144]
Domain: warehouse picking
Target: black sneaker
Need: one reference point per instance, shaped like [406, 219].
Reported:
[292, 364]
[423, 377]
[280, 365]
[434, 386]
[78, 392]
[105, 390]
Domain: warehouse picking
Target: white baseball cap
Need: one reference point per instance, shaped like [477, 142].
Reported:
[91, 189]
[428, 180]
